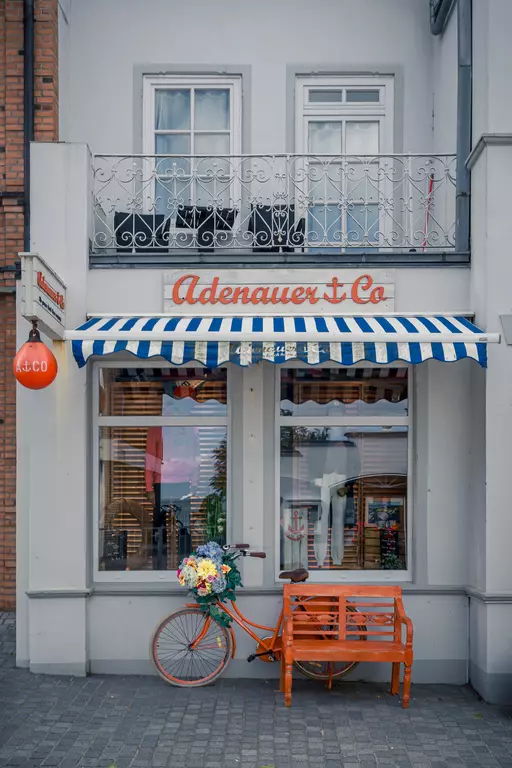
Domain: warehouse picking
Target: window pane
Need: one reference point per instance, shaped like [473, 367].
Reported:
[343, 498]
[212, 144]
[362, 223]
[326, 181]
[363, 96]
[211, 109]
[324, 225]
[344, 392]
[325, 137]
[363, 182]
[325, 96]
[361, 138]
[162, 494]
[172, 109]
[171, 194]
[172, 144]
[163, 392]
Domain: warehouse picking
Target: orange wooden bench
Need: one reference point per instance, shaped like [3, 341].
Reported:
[324, 622]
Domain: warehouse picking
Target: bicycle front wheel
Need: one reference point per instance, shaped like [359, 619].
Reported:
[189, 649]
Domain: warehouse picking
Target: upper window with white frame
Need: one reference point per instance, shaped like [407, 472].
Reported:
[343, 127]
[194, 125]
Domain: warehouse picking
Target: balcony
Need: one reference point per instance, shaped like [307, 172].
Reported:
[273, 209]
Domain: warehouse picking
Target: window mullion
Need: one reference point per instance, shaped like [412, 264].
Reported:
[162, 421]
[340, 421]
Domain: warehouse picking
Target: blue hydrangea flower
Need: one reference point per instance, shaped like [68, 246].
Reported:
[212, 551]
[219, 584]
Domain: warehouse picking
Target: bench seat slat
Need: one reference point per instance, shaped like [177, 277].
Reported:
[340, 650]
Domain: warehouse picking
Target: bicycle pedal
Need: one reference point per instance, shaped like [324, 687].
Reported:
[251, 657]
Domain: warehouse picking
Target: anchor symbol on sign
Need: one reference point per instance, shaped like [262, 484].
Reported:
[26, 366]
[295, 530]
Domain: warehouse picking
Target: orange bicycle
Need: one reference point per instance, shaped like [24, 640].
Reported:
[191, 649]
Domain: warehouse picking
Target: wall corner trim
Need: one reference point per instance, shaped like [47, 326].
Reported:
[35, 594]
[501, 598]
[487, 140]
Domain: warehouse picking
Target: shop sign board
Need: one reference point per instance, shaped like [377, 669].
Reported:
[43, 296]
[279, 292]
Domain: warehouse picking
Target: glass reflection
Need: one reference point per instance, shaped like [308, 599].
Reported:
[162, 494]
[163, 392]
[343, 497]
[344, 392]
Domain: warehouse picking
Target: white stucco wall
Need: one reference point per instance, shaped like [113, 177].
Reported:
[492, 20]
[491, 277]
[55, 496]
[108, 41]
[444, 87]
[103, 50]
[435, 289]
[121, 628]
[52, 483]
[491, 274]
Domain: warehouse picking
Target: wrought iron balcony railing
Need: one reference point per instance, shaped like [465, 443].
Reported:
[268, 203]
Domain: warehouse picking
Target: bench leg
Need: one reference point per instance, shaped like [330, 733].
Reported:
[281, 674]
[288, 683]
[407, 687]
[395, 679]
[328, 682]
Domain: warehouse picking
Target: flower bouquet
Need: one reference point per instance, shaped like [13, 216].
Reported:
[211, 575]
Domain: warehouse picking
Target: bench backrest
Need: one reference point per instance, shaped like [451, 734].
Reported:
[342, 612]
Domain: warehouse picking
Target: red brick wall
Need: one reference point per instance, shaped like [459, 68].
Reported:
[11, 229]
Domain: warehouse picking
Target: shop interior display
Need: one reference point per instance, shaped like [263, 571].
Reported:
[159, 522]
[343, 489]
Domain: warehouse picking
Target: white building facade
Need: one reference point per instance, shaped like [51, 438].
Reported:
[277, 328]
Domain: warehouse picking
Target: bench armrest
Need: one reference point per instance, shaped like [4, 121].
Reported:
[405, 620]
[287, 632]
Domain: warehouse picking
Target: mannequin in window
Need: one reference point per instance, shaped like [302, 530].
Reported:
[337, 465]
[171, 477]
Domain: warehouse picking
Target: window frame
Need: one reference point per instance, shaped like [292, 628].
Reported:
[381, 112]
[151, 83]
[98, 421]
[350, 576]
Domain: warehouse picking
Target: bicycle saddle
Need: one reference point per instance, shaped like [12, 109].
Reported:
[296, 576]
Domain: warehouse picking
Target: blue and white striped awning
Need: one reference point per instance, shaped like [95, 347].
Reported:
[213, 341]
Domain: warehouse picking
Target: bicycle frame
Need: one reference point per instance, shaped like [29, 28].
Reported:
[268, 644]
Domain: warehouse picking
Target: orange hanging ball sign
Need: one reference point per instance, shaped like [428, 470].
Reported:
[35, 366]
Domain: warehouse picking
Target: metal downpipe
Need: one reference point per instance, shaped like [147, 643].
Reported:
[464, 123]
[28, 109]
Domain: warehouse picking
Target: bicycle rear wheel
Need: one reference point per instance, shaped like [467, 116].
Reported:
[320, 670]
[182, 662]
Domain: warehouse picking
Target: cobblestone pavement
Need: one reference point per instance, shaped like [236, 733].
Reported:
[134, 722]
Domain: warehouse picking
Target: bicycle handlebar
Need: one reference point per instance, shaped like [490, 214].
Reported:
[243, 550]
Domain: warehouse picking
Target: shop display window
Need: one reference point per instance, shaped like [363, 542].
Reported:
[343, 468]
[162, 465]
